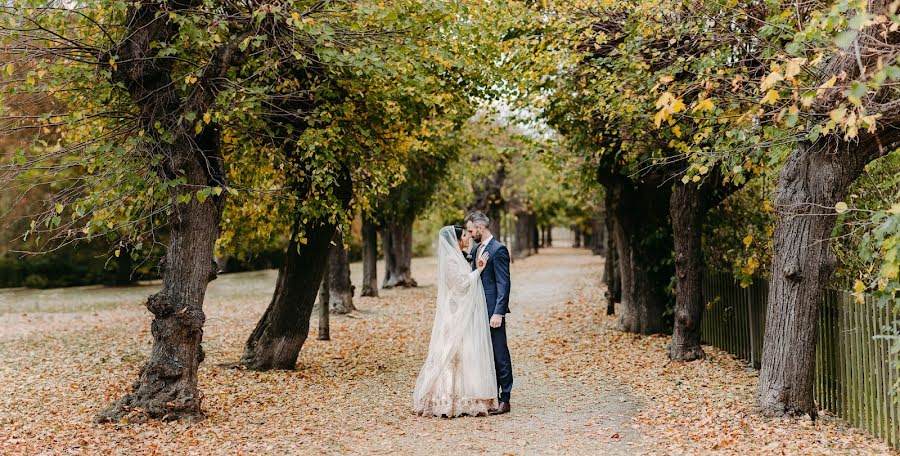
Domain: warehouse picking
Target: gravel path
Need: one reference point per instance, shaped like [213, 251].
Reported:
[551, 414]
[69, 352]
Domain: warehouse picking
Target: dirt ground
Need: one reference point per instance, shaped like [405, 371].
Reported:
[580, 387]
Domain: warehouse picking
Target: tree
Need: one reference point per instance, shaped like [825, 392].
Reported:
[370, 258]
[815, 179]
[340, 288]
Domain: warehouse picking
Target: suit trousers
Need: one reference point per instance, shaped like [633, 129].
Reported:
[502, 361]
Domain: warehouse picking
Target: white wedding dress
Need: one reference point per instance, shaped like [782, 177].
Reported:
[458, 375]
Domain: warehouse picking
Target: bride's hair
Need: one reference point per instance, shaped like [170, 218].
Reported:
[459, 231]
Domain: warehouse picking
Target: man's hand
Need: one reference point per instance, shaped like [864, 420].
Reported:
[496, 321]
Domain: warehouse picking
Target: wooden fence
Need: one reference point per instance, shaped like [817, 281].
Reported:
[856, 367]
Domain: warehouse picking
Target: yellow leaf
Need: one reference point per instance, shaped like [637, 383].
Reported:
[748, 240]
[207, 118]
[793, 68]
[770, 81]
[829, 83]
[705, 105]
[10, 68]
[771, 97]
[840, 207]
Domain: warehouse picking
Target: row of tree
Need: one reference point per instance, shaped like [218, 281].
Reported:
[673, 106]
[218, 127]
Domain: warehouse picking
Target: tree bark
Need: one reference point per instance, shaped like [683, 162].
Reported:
[341, 289]
[324, 306]
[687, 211]
[813, 179]
[611, 265]
[370, 259]
[166, 388]
[543, 236]
[643, 243]
[397, 242]
[598, 239]
[535, 235]
[279, 335]
[688, 207]
[523, 242]
[549, 235]
[577, 242]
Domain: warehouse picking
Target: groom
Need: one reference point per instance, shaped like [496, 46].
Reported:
[495, 278]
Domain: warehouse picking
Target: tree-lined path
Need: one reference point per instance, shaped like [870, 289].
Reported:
[350, 394]
[581, 388]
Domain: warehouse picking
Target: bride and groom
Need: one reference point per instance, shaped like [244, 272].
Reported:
[468, 370]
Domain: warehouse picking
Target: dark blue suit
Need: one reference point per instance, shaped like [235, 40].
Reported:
[495, 279]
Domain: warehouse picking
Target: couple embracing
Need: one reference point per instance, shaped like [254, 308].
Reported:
[468, 370]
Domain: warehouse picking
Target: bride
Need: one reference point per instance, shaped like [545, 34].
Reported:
[458, 375]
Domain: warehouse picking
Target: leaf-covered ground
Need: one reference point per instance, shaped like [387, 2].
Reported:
[580, 387]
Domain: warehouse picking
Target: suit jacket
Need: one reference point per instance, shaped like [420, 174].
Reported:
[495, 277]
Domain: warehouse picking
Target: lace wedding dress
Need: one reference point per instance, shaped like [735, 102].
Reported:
[458, 375]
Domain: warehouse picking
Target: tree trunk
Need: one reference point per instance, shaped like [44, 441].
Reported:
[124, 267]
[549, 235]
[644, 245]
[283, 328]
[535, 235]
[813, 179]
[687, 211]
[611, 265]
[577, 242]
[324, 306]
[397, 242]
[523, 235]
[341, 299]
[543, 236]
[598, 240]
[166, 388]
[370, 259]
[494, 216]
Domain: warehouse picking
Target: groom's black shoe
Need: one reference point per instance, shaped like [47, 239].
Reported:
[501, 409]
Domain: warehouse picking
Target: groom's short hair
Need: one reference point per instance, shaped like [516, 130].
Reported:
[478, 218]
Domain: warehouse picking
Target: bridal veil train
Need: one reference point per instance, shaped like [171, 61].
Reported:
[458, 375]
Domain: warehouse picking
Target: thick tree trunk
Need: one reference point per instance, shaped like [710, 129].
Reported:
[577, 242]
[644, 244]
[166, 388]
[611, 266]
[324, 306]
[543, 236]
[687, 211]
[813, 179]
[523, 242]
[167, 384]
[397, 242]
[535, 235]
[688, 207]
[598, 240]
[370, 259]
[283, 328]
[549, 235]
[341, 299]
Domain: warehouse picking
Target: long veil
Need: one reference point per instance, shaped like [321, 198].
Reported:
[458, 375]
